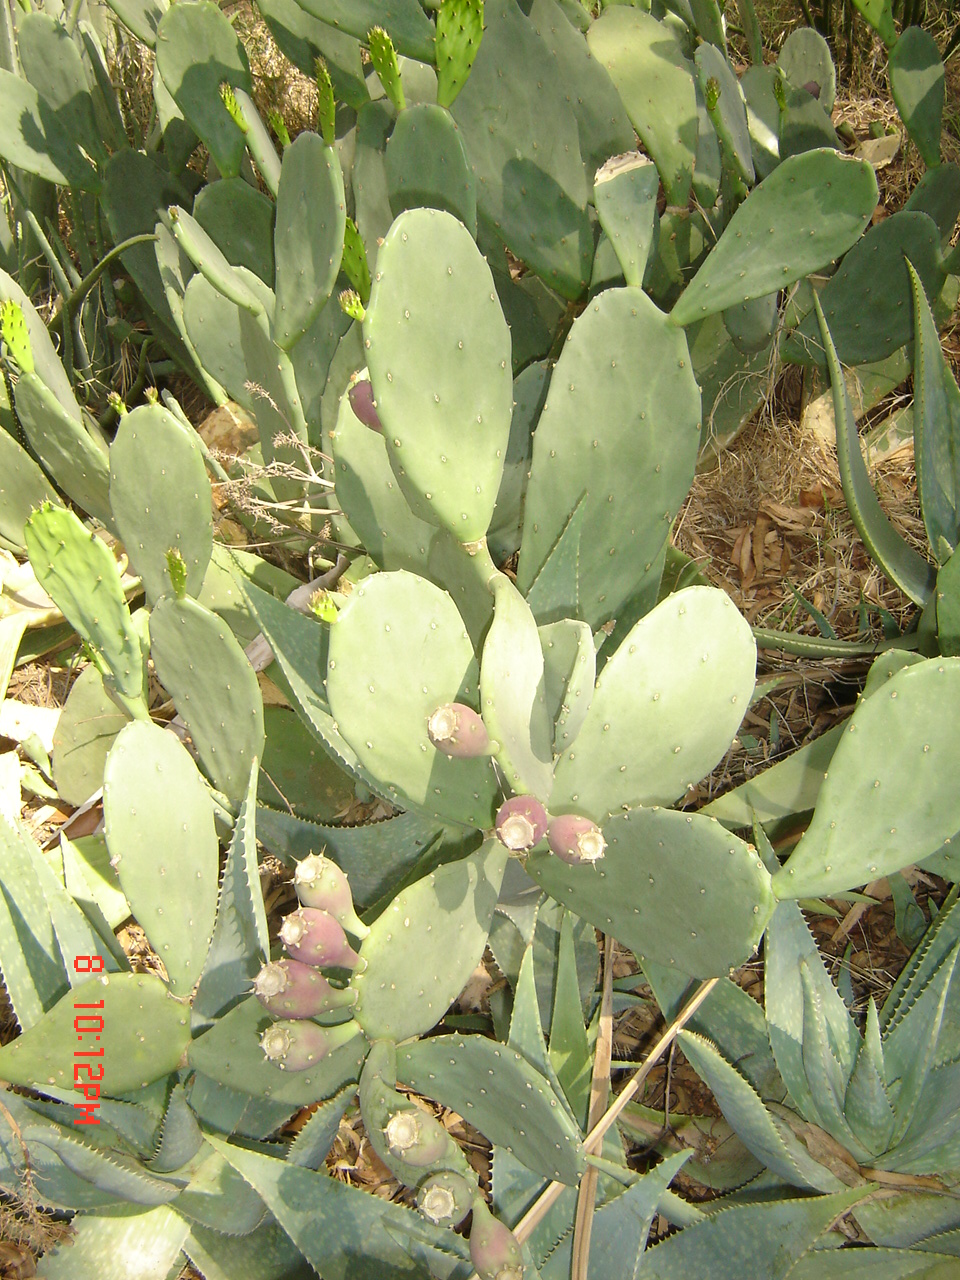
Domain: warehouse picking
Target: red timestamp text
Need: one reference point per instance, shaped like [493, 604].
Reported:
[88, 1024]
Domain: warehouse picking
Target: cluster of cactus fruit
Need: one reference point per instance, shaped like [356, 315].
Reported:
[528, 725]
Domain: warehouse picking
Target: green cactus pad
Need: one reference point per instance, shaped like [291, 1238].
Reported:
[410, 29]
[52, 63]
[369, 496]
[529, 390]
[656, 83]
[78, 571]
[67, 451]
[621, 425]
[239, 219]
[459, 32]
[145, 1032]
[625, 193]
[85, 732]
[867, 302]
[675, 888]
[33, 139]
[569, 674]
[164, 846]
[205, 255]
[230, 1053]
[308, 240]
[160, 497]
[887, 798]
[34, 973]
[426, 166]
[763, 117]
[397, 652]
[512, 698]
[212, 324]
[197, 50]
[752, 324]
[440, 369]
[729, 113]
[807, 212]
[420, 952]
[938, 194]
[805, 58]
[522, 139]
[23, 486]
[499, 1092]
[918, 86]
[936, 429]
[214, 688]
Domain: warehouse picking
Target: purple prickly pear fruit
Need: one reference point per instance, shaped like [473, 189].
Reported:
[292, 989]
[364, 406]
[417, 1138]
[521, 823]
[494, 1249]
[296, 1046]
[458, 731]
[320, 883]
[575, 840]
[813, 88]
[314, 937]
[445, 1198]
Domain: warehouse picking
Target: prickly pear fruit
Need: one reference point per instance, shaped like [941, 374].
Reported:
[521, 823]
[493, 1246]
[295, 990]
[363, 404]
[458, 731]
[320, 883]
[295, 1046]
[445, 1198]
[315, 937]
[416, 1137]
[575, 840]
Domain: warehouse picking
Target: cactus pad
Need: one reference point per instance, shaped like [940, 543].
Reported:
[398, 651]
[675, 888]
[438, 349]
[421, 951]
[145, 1032]
[160, 497]
[160, 832]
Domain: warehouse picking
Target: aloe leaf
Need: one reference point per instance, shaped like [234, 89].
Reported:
[914, 576]
[866, 1103]
[936, 426]
[312, 1144]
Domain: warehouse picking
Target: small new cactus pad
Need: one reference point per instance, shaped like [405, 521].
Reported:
[619, 432]
[654, 80]
[326, 104]
[807, 212]
[298, 1046]
[438, 350]
[144, 1032]
[162, 840]
[575, 840]
[308, 241]
[676, 888]
[665, 708]
[422, 950]
[398, 651]
[897, 746]
[458, 731]
[364, 406]
[160, 496]
[384, 58]
[521, 823]
[494, 1249]
[459, 31]
[320, 883]
[315, 937]
[292, 989]
[445, 1198]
